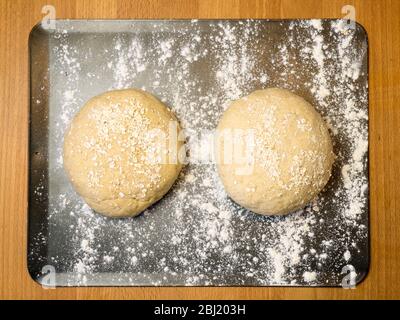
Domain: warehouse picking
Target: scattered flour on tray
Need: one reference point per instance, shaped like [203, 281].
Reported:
[204, 238]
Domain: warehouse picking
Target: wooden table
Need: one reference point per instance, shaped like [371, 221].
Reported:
[382, 22]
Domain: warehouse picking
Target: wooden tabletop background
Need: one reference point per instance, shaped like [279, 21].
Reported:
[382, 22]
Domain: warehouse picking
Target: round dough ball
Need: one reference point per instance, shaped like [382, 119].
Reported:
[282, 153]
[120, 152]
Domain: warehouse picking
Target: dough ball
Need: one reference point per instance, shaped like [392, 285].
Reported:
[121, 152]
[282, 152]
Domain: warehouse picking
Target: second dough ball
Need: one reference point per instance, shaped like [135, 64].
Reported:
[121, 152]
[274, 152]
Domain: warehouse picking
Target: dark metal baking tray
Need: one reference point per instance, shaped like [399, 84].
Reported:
[79, 59]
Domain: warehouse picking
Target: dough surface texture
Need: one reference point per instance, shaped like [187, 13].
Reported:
[113, 154]
[290, 152]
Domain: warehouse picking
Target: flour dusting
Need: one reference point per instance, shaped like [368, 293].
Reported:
[196, 235]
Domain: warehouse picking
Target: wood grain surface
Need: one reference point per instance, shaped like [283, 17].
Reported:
[381, 20]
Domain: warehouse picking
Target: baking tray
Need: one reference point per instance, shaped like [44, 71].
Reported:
[195, 235]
